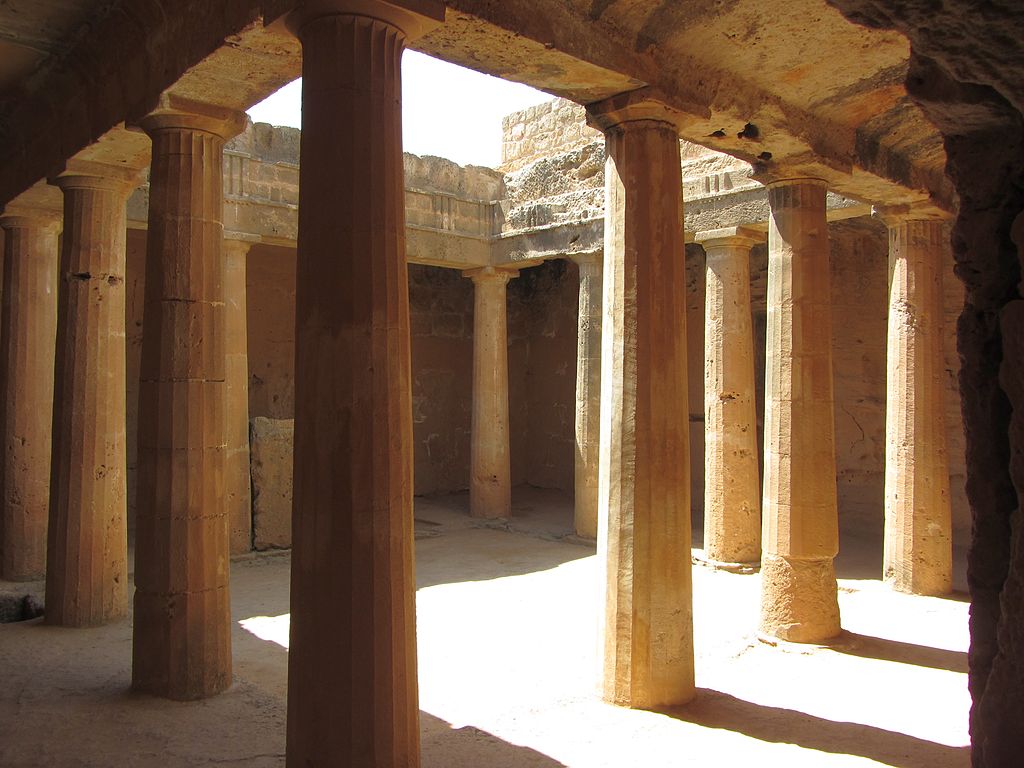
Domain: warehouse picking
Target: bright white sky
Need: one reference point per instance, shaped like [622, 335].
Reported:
[446, 110]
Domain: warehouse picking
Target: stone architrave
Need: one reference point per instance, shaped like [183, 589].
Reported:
[237, 480]
[732, 503]
[87, 551]
[588, 395]
[799, 595]
[490, 483]
[918, 553]
[644, 539]
[352, 691]
[28, 328]
[182, 640]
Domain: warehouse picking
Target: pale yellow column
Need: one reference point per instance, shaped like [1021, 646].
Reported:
[490, 483]
[28, 327]
[799, 599]
[352, 692]
[732, 504]
[644, 539]
[181, 646]
[918, 527]
[237, 486]
[87, 552]
[588, 394]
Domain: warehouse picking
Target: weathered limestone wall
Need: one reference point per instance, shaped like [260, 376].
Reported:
[543, 305]
[270, 307]
[441, 318]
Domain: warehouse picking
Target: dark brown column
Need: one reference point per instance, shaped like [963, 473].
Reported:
[182, 641]
[645, 464]
[87, 551]
[352, 695]
[27, 339]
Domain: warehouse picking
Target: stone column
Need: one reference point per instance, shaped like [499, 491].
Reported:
[182, 639]
[237, 487]
[732, 505]
[87, 548]
[588, 394]
[918, 527]
[490, 481]
[801, 527]
[29, 326]
[352, 694]
[644, 465]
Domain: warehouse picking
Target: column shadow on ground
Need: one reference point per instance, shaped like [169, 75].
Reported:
[714, 709]
[868, 647]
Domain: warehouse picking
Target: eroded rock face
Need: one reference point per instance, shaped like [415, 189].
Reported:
[967, 73]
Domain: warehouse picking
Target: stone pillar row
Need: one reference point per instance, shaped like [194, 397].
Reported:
[588, 395]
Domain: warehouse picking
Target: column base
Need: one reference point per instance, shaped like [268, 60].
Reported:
[937, 584]
[731, 566]
[799, 599]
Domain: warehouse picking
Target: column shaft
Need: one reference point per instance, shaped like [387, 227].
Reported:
[182, 639]
[28, 323]
[644, 463]
[732, 508]
[588, 395]
[87, 553]
[237, 486]
[918, 542]
[801, 528]
[490, 480]
[352, 691]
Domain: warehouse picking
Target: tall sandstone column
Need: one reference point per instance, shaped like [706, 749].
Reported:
[237, 486]
[182, 640]
[732, 505]
[87, 551]
[644, 476]
[918, 554]
[28, 328]
[799, 596]
[588, 394]
[490, 481]
[352, 693]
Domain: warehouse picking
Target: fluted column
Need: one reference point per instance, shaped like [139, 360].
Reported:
[182, 639]
[352, 693]
[644, 482]
[799, 600]
[732, 504]
[588, 394]
[27, 342]
[490, 482]
[918, 554]
[87, 551]
[237, 487]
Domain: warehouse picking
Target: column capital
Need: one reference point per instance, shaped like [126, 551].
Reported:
[238, 242]
[90, 174]
[736, 236]
[174, 112]
[588, 259]
[490, 275]
[893, 215]
[644, 104]
[18, 217]
[414, 18]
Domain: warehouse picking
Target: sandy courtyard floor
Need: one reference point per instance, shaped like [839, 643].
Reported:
[507, 623]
